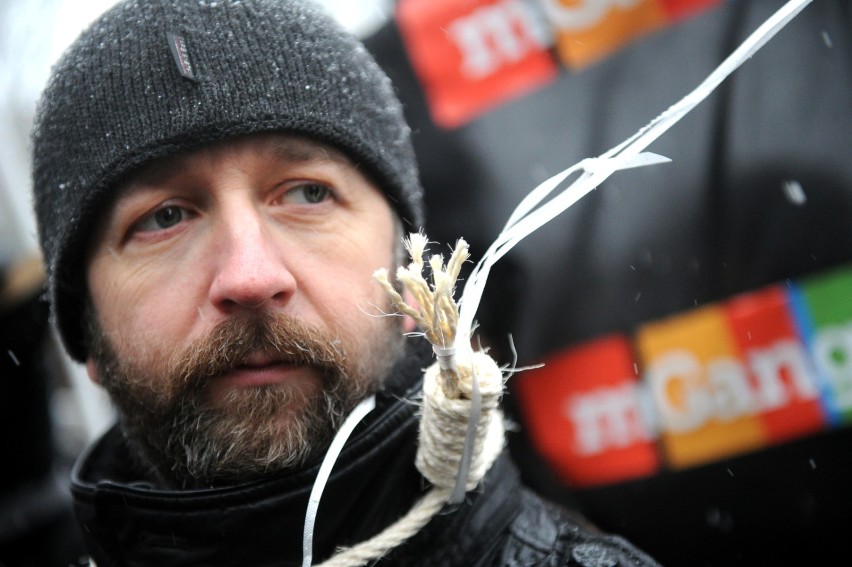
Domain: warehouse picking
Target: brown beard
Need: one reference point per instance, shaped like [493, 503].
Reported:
[186, 441]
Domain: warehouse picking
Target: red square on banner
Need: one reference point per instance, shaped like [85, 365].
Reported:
[782, 377]
[680, 9]
[584, 413]
[470, 55]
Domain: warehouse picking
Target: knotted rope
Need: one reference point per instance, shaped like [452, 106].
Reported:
[461, 424]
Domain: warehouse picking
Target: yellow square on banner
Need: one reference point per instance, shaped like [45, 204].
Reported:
[700, 388]
[588, 30]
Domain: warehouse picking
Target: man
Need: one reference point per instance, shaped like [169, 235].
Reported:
[215, 183]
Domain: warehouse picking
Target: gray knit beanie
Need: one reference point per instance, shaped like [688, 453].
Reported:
[153, 78]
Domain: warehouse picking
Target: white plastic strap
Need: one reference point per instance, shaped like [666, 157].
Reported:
[529, 216]
[361, 410]
[446, 357]
[460, 488]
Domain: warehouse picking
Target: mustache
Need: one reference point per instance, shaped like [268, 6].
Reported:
[279, 337]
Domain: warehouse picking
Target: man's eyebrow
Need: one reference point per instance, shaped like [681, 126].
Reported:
[150, 174]
[286, 149]
[304, 150]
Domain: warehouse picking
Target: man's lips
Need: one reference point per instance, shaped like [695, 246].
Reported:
[260, 369]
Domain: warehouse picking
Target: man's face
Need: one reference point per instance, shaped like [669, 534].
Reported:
[235, 321]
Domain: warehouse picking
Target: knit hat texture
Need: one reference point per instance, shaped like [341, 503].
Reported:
[154, 78]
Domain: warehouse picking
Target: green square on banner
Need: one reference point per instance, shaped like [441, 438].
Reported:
[825, 313]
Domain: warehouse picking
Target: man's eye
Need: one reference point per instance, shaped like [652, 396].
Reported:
[309, 193]
[162, 219]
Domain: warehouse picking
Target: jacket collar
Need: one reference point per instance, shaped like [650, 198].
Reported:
[127, 520]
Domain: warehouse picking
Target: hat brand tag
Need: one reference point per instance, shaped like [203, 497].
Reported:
[177, 45]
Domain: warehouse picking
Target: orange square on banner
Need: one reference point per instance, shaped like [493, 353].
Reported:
[583, 411]
[470, 55]
[588, 31]
[699, 387]
[782, 376]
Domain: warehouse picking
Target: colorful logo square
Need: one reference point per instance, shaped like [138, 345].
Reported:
[472, 55]
[823, 305]
[700, 388]
[785, 389]
[589, 30]
[586, 414]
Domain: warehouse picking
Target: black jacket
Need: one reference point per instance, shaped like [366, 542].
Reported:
[127, 520]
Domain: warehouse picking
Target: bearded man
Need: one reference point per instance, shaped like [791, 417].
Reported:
[215, 183]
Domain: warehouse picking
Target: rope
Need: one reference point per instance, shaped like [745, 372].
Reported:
[443, 426]
[444, 423]
[461, 424]
[365, 552]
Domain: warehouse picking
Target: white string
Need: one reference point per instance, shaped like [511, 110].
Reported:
[361, 410]
[527, 218]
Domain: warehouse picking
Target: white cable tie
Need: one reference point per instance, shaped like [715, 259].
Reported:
[446, 357]
[530, 215]
[611, 165]
[361, 410]
[460, 488]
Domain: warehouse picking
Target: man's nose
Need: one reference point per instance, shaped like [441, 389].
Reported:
[250, 268]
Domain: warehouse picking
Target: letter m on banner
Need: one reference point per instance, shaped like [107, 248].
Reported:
[471, 55]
